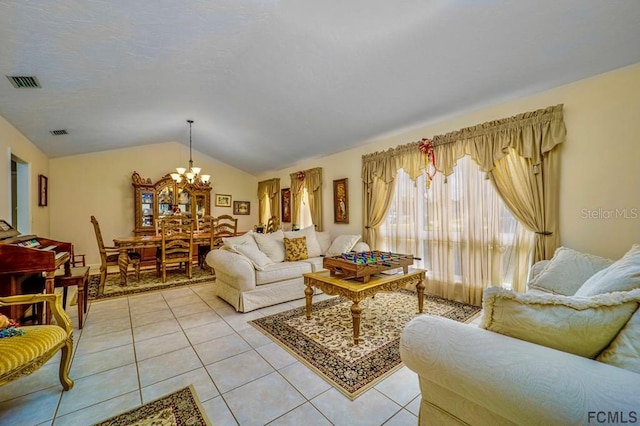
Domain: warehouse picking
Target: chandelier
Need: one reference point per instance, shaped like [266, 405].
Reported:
[191, 175]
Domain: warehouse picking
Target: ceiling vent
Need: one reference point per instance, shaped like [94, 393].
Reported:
[59, 132]
[24, 81]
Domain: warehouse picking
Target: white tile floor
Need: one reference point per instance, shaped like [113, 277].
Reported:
[136, 349]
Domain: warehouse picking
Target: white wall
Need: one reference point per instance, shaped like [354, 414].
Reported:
[600, 161]
[99, 184]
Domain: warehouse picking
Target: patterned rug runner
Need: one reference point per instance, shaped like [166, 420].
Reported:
[179, 408]
[325, 343]
[149, 281]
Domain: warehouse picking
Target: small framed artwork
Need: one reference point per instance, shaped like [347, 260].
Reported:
[241, 207]
[223, 200]
[341, 201]
[286, 205]
[43, 190]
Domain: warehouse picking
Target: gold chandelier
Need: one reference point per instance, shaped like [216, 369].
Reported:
[191, 175]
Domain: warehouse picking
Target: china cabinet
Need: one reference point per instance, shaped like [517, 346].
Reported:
[155, 200]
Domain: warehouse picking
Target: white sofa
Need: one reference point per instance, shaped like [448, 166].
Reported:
[251, 271]
[542, 357]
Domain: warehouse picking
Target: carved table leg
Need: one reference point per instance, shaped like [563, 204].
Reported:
[420, 288]
[123, 264]
[308, 295]
[355, 315]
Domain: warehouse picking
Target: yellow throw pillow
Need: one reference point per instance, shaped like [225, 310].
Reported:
[295, 249]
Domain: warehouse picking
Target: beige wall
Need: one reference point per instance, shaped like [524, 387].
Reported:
[99, 184]
[12, 142]
[600, 160]
[599, 178]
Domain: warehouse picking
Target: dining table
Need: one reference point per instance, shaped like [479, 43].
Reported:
[127, 244]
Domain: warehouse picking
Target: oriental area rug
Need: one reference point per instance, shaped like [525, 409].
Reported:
[149, 281]
[179, 408]
[325, 343]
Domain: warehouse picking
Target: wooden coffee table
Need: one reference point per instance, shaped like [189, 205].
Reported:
[357, 291]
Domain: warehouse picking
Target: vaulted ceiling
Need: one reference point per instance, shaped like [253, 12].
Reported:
[270, 82]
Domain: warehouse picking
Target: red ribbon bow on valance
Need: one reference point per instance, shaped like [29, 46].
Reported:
[426, 147]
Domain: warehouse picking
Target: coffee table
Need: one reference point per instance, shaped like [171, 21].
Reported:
[357, 291]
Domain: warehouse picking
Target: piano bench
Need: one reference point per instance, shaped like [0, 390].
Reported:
[78, 276]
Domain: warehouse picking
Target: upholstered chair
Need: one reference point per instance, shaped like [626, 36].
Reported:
[109, 255]
[21, 355]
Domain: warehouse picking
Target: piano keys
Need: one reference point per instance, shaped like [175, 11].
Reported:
[24, 256]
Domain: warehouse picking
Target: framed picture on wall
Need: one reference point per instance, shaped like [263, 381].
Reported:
[43, 190]
[223, 200]
[241, 207]
[286, 205]
[341, 201]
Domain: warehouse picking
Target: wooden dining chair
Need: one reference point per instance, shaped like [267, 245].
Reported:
[109, 255]
[273, 224]
[204, 225]
[176, 246]
[221, 227]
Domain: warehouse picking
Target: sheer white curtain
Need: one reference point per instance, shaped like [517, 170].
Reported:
[461, 229]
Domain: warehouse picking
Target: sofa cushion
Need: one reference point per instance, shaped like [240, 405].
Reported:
[272, 245]
[246, 238]
[622, 275]
[624, 351]
[253, 253]
[295, 249]
[282, 271]
[317, 263]
[578, 325]
[567, 270]
[313, 247]
[342, 244]
[324, 239]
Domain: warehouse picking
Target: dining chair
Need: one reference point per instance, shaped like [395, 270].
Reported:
[273, 224]
[109, 255]
[204, 225]
[176, 246]
[221, 227]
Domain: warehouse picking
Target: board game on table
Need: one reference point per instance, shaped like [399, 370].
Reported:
[366, 263]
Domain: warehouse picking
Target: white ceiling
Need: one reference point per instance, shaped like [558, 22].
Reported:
[270, 82]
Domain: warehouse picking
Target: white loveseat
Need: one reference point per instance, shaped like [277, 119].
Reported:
[542, 357]
[251, 271]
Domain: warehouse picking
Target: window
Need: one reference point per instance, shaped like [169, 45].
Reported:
[459, 227]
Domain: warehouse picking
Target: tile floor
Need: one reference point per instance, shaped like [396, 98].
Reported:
[138, 348]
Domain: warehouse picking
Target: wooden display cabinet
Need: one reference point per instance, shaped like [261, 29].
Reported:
[155, 200]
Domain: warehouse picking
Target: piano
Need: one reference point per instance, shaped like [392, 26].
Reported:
[24, 258]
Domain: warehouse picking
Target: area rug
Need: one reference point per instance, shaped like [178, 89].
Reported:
[149, 281]
[179, 408]
[325, 343]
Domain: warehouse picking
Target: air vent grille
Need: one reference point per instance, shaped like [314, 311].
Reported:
[24, 81]
[59, 132]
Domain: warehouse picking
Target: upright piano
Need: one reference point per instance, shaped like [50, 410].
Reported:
[28, 257]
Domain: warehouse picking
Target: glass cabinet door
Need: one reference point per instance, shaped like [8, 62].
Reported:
[184, 202]
[200, 206]
[146, 203]
[165, 200]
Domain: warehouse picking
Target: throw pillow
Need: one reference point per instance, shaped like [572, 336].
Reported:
[246, 238]
[342, 244]
[272, 245]
[313, 247]
[324, 239]
[253, 253]
[295, 249]
[623, 351]
[622, 275]
[567, 270]
[578, 325]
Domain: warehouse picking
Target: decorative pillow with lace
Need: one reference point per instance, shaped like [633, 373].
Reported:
[295, 249]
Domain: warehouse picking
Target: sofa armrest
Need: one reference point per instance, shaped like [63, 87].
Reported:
[520, 381]
[232, 268]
